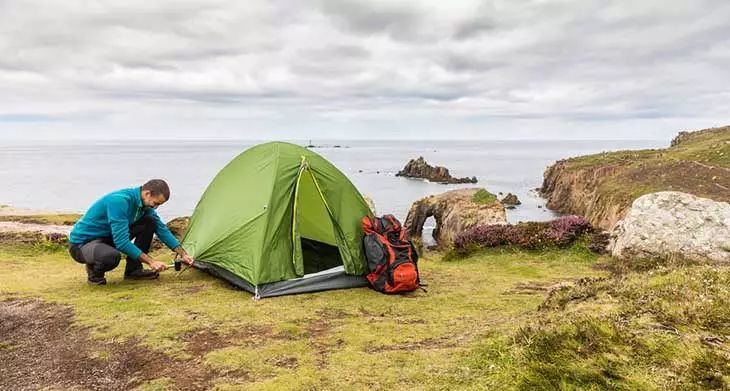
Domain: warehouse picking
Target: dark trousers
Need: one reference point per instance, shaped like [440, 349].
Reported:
[101, 255]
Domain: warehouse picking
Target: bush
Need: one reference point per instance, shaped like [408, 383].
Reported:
[564, 230]
[560, 232]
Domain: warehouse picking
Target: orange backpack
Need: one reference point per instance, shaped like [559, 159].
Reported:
[392, 259]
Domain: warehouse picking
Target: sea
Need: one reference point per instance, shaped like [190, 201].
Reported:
[70, 175]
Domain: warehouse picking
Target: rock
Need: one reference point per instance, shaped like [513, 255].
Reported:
[454, 211]
[418, 168]
[511, 199]
[680, 138]
[177, 226]
[669, 223]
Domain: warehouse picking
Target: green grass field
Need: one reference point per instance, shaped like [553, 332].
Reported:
[356, 337]
[500, 319]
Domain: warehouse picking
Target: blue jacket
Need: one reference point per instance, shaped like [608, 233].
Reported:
[111, 216]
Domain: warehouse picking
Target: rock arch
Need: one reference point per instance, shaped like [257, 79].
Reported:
[454, 211]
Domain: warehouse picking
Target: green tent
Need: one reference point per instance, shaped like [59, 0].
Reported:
[280, 219]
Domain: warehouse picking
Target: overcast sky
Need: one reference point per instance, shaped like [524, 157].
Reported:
[363, 69]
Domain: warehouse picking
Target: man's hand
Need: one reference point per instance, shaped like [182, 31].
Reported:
[184, 255]
[157, 266]
[152, 263]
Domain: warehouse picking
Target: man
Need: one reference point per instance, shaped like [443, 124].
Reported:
[105, 231]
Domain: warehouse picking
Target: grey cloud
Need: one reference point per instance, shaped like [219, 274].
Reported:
[338, 52]
[398, 21]
[472, 28]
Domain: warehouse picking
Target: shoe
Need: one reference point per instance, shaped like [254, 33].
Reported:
[94, 277]
[141, 274]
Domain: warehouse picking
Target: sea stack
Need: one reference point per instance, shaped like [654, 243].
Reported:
[419, 168]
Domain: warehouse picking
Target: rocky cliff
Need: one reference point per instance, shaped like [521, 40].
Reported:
[602, 187]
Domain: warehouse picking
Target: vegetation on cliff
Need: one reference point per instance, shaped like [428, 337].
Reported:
[602, 187]
[483, 197]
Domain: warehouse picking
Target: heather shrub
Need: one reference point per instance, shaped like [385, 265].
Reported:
[560, 232]
[530, 235]
[565, 229]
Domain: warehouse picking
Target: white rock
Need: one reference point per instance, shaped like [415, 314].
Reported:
[671, 223]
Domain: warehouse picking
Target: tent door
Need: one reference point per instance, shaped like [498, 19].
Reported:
[315, 233]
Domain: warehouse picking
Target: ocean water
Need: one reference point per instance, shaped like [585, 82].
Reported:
[69, 176]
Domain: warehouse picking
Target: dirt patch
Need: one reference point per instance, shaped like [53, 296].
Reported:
[201, 342]
[323, 324]
[527, 288]
[40, 347]
[319, 334]
[194, 289]
[428, 343]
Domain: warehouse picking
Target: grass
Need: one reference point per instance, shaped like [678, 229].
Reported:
[313, 341]
[484, 197]
[661, 328]
[55, 219]
[498, 319]
[711, 146]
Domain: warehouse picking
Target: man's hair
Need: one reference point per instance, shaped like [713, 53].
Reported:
[157, 187]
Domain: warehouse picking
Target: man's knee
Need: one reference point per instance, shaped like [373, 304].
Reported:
[110, 261]
[101, 256]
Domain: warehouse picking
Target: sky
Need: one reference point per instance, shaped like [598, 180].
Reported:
[344, 69]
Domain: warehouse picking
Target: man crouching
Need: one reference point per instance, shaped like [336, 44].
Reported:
[105, 231]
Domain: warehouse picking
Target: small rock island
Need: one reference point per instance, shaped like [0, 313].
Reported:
[419, 168]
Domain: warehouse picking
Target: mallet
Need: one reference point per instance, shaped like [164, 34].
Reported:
[177, 265]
